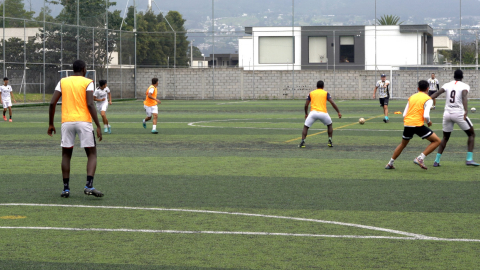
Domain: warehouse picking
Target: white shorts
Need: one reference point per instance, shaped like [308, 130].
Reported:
[456, 117]
[84, 131]
[102, 106]
[321, 116]
[6, 103]
[151, 110]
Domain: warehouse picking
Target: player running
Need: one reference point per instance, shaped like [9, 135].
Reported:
[150, 105]
[103, 97]
[456, 107]
[78, 109]
[6, 98]
[434, 87]
[383, 94]
[318, 111]
[416, 113]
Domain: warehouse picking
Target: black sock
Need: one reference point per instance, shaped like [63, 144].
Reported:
[10, 116]
[65, 183]
[4, 112]
[89, 181]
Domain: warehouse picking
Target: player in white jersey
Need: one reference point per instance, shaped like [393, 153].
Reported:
[6, 98]
[456, 110]
[383, 94]
[434, 86]
[103, 97]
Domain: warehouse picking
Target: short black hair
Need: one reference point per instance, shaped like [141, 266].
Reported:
[154, 80]
[433, 73]
[320, 84]
[423, 85]
[78, 65]
[5, 79]
[102, 82]
[458, 75]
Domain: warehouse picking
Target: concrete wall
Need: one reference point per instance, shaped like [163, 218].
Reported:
[238, 84]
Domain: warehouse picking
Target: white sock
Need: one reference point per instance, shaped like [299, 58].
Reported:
[143, 120]
[154, 127]
[391, 161]
[422, 156]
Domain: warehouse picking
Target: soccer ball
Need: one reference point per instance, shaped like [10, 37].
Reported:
[473, 109]
[361, 121]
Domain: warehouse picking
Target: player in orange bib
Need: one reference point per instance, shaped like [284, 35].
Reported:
[416, 113]
[318, 111]
[78, 110]
[150, 105]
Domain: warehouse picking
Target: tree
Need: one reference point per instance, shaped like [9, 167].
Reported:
[15, 9]
[196, 52]
[155, 39]
[453, 56]
[92, 35]
[389, 20]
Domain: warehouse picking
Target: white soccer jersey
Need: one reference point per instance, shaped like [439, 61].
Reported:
[102, 94]
[453, 91]
[383, 88]
[6, 92]
[433, 84]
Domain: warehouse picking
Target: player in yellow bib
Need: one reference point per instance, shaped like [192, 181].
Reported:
[317, 100]
[416, 113]
[150, 105]
[78, 110]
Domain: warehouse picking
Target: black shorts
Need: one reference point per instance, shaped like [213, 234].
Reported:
[384, 101]
[431, 92]
[422, 132]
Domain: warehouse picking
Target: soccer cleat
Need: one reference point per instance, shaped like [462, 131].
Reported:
[92, 191]
[420, 163]
[330, 144]
[385, 120]
[144, 125]
[109, 129]
[105, 130]
[436, 164]
[389, 166]
[65, 193]
[4, 118]
[472, 163]
[301, 145]
[154, 131]
[433, 108]
[9, 120]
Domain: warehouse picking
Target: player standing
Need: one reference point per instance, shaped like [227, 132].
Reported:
[456, 111]
[150, 105]
[383, 95]
[78, 109]
[434, 87]
[416, 113]
[6, 99]
[103, 97]
[318, 111]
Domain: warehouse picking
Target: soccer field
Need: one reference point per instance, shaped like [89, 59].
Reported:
[224, 186]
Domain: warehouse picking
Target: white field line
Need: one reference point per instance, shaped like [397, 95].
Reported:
[235, 102]
[411, 236]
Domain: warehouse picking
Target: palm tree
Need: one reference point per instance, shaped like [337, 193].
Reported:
[389, 20]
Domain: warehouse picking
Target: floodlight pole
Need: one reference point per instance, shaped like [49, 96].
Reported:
[375, 40]
[3, 41]
[476, 50]
[44, 40]
[135, 31]
[106, 29]
[174, 53]
[293, 40]
[213, 45]
[460, 33]
[78, 29]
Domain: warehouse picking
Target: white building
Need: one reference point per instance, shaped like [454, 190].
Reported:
[339, 47]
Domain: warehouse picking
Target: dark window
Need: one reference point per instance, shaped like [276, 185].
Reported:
[347, 49]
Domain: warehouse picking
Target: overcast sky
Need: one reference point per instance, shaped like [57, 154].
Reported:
[227, 8]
